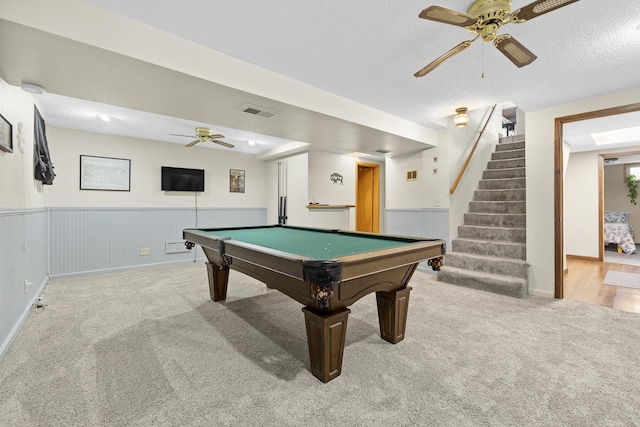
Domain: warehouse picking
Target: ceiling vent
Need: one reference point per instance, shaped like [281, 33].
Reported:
[258, 111]
[383, 151]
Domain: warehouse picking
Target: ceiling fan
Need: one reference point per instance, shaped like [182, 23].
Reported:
[484, 18]
[204, 135]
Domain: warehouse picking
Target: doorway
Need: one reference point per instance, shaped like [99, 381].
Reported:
[367, 197]
[559, 185]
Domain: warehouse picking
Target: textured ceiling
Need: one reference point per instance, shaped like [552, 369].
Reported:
[362, 50]
[368, 50]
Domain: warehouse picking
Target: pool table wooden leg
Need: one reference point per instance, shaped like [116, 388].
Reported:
[392, 314]
[218, 279]
[326, 335]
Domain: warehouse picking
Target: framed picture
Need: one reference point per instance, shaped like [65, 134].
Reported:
[236, 181]
[104, 173]
[6, 135]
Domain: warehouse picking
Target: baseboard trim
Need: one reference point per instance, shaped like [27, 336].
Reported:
[129, 267]
[583, 258]
[544, 294]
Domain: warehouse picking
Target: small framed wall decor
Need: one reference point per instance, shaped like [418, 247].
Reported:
[105, 173]
[236, 181]
[6, 135]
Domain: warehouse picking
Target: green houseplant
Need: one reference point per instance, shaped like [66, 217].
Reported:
[632, 186]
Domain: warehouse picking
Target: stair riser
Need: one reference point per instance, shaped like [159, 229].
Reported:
[495, 234]
[496, 220]
[514, 195]
[507, 155]
[504, 267]
[504, 174]
[502, 184]
[510, 141]
[515, 288]
[498, 207]
[505, 164]
[497, 249]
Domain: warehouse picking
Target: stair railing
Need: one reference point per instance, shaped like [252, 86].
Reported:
[466, 163]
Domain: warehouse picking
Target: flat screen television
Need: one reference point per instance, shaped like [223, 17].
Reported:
[182, 179]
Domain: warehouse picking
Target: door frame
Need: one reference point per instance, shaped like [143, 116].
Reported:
[376, 193]
[559, 184]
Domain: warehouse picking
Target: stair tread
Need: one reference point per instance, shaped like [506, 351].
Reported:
[488, 257]
[493, 227]
[489, 213]
[489, 241]
[492, 276]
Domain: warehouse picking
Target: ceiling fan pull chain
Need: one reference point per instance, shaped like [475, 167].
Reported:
[483, 60]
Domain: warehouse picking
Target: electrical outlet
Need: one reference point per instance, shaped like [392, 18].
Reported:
[26, 286]
[436, 201]
[144, 251]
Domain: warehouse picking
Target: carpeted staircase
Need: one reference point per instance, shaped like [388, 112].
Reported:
[490, 251]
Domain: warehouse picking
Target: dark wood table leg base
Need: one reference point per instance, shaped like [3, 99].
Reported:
[218, 279]
[392, 313]
[326, 335]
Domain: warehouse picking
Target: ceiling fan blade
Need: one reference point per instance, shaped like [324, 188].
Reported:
[448, 16]
[226, 144]
[216, 136]
[539, 7]
[177, 134]
[459, 48]
[512, 49]
[193, 143]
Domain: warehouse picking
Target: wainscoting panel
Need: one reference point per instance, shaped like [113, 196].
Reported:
[94, 239]
[23, 257]
[432, 223]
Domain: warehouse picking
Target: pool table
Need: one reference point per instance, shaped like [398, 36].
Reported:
[326, 271]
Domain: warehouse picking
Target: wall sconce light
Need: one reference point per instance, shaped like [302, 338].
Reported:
[462, 118]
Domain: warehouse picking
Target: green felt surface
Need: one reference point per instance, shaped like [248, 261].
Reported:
[310, 243]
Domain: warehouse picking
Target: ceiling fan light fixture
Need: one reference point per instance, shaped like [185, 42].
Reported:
[461, 118]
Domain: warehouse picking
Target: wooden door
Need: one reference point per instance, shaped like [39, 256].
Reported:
[367, 197]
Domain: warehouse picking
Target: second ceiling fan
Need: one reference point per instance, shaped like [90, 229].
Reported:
[484, 18]
[204, 134]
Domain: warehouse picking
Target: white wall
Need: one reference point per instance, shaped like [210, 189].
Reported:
[321, 165]
[540, 182]
[403, 194]
[19, 189]
[147, 157]
[581, 215]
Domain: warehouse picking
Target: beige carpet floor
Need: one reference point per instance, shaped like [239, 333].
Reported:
[148, 347]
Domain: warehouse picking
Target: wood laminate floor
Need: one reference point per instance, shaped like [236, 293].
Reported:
[584, 282]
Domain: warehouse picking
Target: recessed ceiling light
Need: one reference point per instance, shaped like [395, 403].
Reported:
[104, 117]
[251, 142]
[32, 88]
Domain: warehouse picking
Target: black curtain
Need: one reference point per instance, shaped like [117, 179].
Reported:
[43, 168]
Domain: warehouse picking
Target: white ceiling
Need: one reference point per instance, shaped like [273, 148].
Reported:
[362, 50]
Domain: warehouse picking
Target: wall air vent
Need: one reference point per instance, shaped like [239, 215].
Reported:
[258, 111]
[611, 161]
